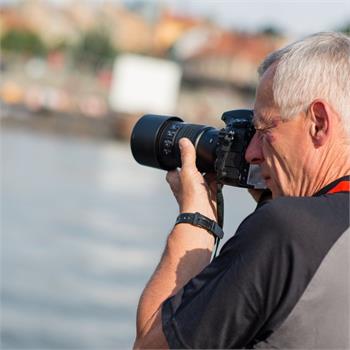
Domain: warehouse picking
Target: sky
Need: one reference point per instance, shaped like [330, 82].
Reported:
[295, 18]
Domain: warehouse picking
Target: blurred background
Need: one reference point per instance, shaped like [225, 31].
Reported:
[82, 224]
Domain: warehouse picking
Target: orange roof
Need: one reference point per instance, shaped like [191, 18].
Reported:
[251, 47]
[12, 19]
[171, 16]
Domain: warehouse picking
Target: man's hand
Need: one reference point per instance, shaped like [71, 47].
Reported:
[192, 191]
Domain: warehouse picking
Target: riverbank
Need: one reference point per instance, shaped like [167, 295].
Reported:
[109, 127]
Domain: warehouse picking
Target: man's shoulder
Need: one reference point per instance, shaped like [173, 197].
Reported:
[287, 219]
[279, 215]
[297, 210]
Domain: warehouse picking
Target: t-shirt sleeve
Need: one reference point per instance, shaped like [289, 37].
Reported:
[248, 289]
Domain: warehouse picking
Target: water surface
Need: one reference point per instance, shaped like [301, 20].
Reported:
[82, 228]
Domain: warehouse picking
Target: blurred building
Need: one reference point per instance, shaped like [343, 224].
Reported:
[225, 57]
[39, 16]
[218, 66]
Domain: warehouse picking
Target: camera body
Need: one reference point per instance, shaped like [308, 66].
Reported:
[155, 143]
[230, 166]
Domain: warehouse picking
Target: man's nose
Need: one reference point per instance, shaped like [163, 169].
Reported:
[254, 154]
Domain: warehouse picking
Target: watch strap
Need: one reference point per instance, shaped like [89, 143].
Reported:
[197, 219]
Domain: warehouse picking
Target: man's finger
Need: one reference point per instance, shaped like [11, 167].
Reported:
[188, 153]
[210, 177]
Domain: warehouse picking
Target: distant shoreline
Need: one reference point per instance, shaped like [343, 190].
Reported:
[109, 127]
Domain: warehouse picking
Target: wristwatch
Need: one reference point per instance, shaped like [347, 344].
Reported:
[197, 219]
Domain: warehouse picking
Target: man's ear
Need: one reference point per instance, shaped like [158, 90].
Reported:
[321, 122]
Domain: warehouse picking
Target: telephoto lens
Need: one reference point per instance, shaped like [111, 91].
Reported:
[155, 142]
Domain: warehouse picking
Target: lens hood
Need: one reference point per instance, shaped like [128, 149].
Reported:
[144, 138]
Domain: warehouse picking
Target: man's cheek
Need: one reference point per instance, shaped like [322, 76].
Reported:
[269, 145]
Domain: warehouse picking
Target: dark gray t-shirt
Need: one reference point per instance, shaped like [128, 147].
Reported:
[282, 281]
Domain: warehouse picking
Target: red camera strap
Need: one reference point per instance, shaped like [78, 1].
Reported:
[343, 186]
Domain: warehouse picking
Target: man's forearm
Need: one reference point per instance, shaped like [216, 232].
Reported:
[187, 252]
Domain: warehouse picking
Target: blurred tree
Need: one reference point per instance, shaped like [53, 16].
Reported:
[345, 29]
[94, 49]
[61, 45]
[23, 41]
[271, 30]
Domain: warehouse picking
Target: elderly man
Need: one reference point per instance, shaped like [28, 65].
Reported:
[282, 281]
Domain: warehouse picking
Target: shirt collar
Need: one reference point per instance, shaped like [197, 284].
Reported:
[333, 184]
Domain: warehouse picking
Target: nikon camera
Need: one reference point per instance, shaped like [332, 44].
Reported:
[155, 143]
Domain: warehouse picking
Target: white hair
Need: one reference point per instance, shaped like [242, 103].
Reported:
[317, 66]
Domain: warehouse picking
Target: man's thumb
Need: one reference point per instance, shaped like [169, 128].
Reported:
[188, 153]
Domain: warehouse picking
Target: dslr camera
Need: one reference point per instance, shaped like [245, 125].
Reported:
[155, 143]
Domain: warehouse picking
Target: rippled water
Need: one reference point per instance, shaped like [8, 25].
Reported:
[82, 228]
